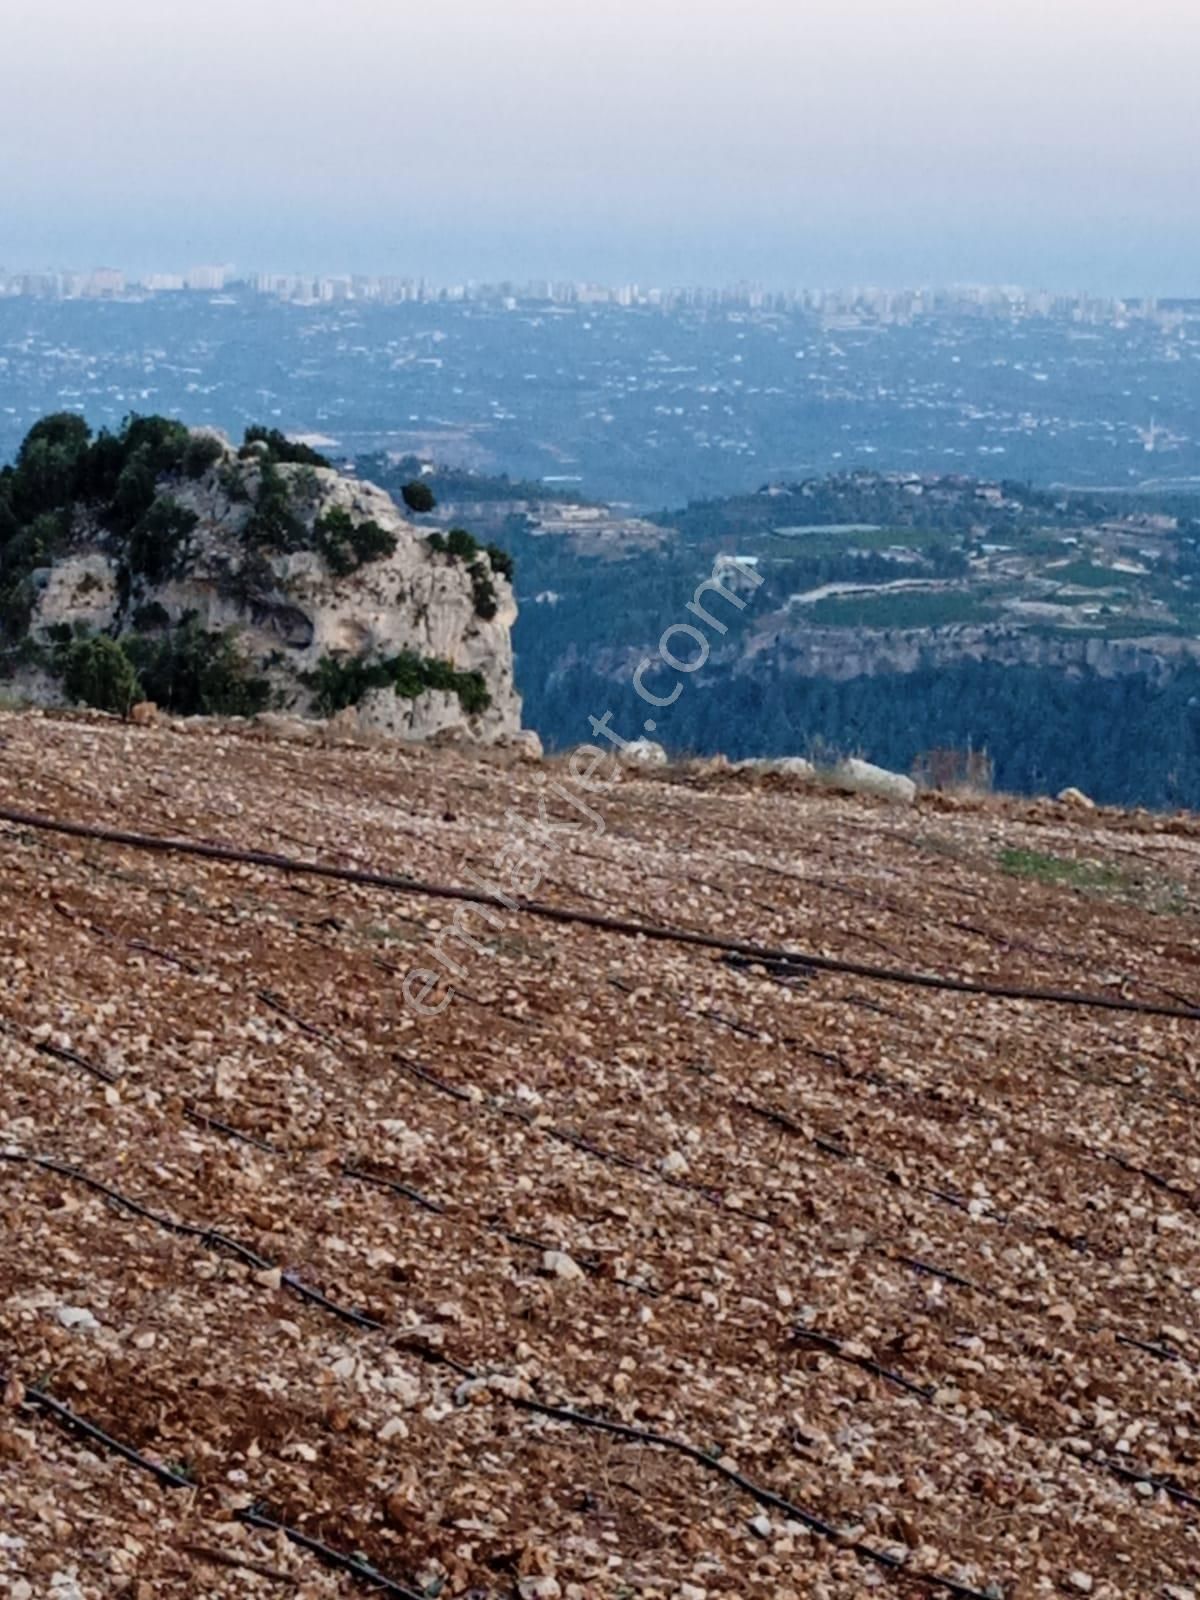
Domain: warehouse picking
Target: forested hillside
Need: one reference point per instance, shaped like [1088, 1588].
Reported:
[897, 613]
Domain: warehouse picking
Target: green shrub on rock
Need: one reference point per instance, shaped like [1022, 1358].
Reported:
[97, 672]
[197, 673]
[279, 448]
[273, 525]
[158, 544]
[340, 681]
[347, 545]
[459, 545]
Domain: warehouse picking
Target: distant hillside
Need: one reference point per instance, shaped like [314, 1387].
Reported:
[897, 612]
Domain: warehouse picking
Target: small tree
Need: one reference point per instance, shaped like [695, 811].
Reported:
[501, 561]
[418, 497]
[461, 544]
[158, 544]
[280, 448]
[347, 545]
[98, 673]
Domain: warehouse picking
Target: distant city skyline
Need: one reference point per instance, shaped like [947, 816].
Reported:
[839, 141]
[108, 280]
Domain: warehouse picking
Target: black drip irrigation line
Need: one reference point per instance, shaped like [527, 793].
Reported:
[256, 1517]
[615, 1158]
[253, 1517]
[830, 1345]
[210, 1238]
[1154, 1179]
[893, 1564]
[826, 1343]
[780, 1119]
[833, 1346]
[202, 1119]
[1080, 1243]
[837, 1347]
[1161, 1352]
[523, 1241]
[394, 1186]
[924, 1269]
[73, 1422]
[582, 1419]
[925, 1393]
[591, 919]
[578, 1141]
[1077, 1244]
[58, 1052]
[276, 1004]
[891, 1178]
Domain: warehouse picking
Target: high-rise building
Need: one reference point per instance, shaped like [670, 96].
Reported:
[206, 278]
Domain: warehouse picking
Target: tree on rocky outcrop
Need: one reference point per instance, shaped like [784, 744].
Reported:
[418, 497]
[347, 545]
[278, 448]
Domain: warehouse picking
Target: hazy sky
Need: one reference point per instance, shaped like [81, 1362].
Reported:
[800, 141]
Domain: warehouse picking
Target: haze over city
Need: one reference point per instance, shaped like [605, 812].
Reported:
[842, 142]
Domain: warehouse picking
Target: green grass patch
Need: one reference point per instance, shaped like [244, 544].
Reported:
[840, 539]
[902, 608]
[1062, 870]
[1162, 896]
[1089, 576]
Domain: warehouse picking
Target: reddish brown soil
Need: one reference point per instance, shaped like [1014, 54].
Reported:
[923, 1264]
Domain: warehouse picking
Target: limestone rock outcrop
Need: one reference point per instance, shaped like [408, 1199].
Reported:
[290, 611]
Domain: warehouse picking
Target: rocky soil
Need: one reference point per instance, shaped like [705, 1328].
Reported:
[635, 1272]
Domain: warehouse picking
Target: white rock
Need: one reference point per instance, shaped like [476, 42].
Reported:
[278, 725]
[1077, 798]
[1081, 1582]
[860, 777]
[467, 1391]
[77, 1317]
[562, 1265]
[673, 1164]
[534, 1588]
[403, 1386]
[760, 1525]
[393, 1428]
[644, 753]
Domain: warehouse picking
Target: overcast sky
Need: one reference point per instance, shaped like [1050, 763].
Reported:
[800, 141]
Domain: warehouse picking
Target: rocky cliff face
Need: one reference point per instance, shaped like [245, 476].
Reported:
[845, 653]
[290, 611]
[783, 647]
